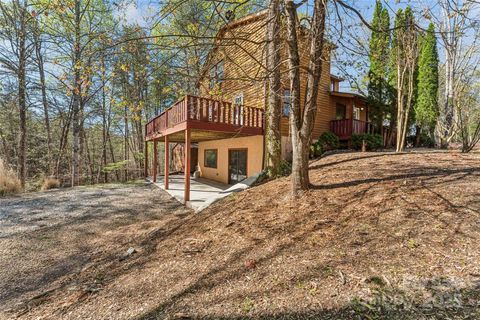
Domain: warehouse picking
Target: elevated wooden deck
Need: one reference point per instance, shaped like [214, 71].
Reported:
[345, 128]
[205, 119]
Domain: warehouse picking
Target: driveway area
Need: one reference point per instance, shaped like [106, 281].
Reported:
[66, 240]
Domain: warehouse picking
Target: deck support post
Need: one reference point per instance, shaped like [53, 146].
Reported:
[187, 166]
[146, 160]
[155, 161]
[167, 162]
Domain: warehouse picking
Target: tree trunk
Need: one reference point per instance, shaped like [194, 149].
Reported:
[302, 121]
[41, 72]
[125, 142]
[274, 106]
[418, 135]
[76, 99]
[22, 104]
[104, 122]
[449, 99]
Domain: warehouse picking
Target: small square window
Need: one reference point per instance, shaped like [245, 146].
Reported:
[211, 158]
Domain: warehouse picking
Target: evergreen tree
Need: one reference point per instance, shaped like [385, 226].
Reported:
[379, 55]
[426, 106]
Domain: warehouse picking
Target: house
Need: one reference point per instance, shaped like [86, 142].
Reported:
[226, 119]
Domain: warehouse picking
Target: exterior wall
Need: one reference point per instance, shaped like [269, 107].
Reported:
[243, 50]
[349, 103]
[254, 144]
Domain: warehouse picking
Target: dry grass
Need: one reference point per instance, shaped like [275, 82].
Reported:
[9, 182]
[50, 183]
[379, 236]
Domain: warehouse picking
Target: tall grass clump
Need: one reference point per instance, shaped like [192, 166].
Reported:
[9, 182]
[50, 183]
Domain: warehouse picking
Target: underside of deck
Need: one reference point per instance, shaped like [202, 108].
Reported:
[204, 133]
[195, 119]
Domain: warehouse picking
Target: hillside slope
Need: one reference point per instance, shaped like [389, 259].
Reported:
[379, 234]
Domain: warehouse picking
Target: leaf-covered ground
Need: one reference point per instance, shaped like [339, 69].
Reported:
[379, 235]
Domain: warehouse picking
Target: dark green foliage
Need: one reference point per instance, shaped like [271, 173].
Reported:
[379, 96]
[315, 150]
[328, 141]
[285, 168]
[426, 107]
[372, 141]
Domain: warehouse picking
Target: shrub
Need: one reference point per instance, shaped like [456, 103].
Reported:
[9, 182]
[372, 141]
[316, 150]
[50, 183]
[328, 141]
[285, 168]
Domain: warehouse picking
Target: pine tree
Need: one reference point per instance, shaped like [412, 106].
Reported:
[379, 52]
[426, 107]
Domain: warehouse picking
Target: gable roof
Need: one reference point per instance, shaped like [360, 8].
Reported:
[250, 18]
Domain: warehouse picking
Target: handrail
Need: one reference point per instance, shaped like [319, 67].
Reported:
[344, 128]
[207, 110]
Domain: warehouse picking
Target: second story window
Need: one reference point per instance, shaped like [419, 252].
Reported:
[287, 102]
[216, 74]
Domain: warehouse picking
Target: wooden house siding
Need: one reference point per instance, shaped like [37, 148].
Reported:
[242, 48]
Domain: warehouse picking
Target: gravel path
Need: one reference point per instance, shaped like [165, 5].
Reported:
[46, 238]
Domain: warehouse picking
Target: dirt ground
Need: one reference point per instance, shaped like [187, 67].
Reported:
[379, 236]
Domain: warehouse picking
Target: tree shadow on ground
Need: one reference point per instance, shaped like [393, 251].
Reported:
[387, 303]
[429, 173]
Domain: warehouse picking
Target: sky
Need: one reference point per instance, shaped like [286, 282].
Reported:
[140, 11]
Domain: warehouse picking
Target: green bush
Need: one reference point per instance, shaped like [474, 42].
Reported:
[315, 150]
[328, 141]
[372, 141]
[285, 168]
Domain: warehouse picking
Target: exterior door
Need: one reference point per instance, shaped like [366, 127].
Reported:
[237, 165]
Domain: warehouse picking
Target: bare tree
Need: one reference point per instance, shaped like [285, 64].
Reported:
[406, 56]
[274, 105]
[456, 22]
[43, 86]
[16, 19]
[302, 121]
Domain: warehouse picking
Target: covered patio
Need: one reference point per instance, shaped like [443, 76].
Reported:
[201, 190]
[195, 119]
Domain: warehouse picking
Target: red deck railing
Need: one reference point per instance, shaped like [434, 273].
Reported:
[346, 127]
[207, 111]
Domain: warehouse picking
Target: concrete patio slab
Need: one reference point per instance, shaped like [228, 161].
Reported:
[200, 189]
[203, 192]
